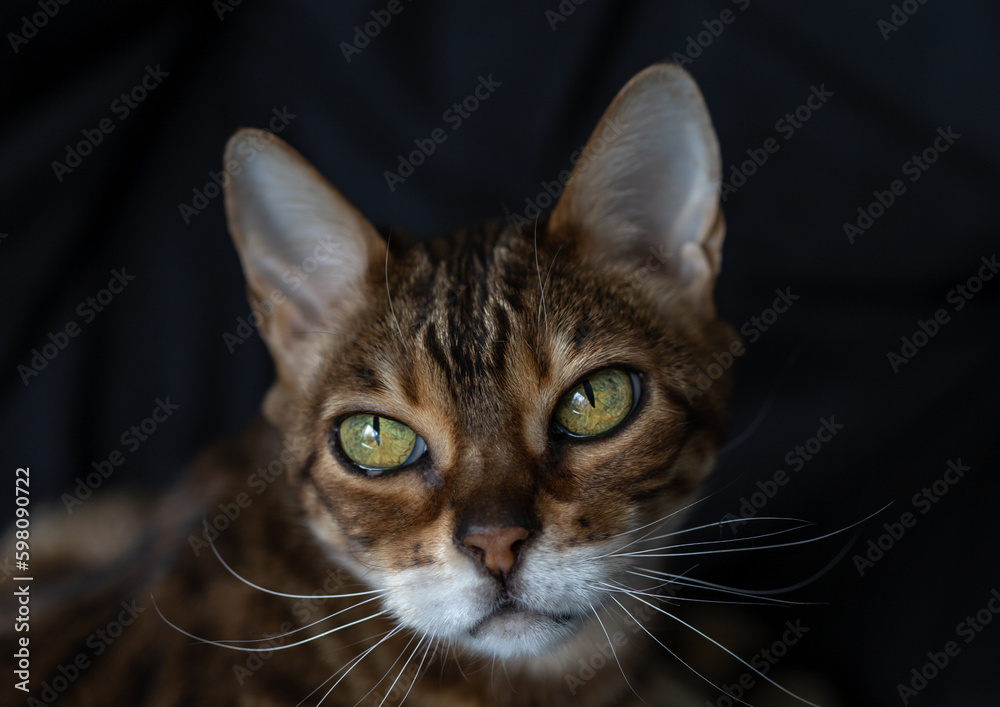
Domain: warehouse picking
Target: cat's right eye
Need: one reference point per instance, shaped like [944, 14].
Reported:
[598, 403]
[378, 444]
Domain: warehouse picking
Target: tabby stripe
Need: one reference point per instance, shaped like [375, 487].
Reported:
[434, 348]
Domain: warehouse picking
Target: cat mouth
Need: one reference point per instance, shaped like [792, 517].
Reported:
[514, 622]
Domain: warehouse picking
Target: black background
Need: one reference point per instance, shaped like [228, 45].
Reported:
[827, 357]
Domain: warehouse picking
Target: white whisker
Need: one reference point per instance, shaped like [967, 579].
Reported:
[664, 519]
[222, 644]
[419, 670]
[643, 553]
[614, 653]
[247, 582]
[677, 657]
[349, 667]
[722, 647]
[718, 523]
[389, 670]
[389, 294]
[699, 584]
[700, 543]
[301, 628]
[541, 286]
[761, 601]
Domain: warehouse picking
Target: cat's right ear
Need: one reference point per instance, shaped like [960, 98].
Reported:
[645, 191]
[306, 252]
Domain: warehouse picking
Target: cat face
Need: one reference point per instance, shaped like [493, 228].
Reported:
[496, 418]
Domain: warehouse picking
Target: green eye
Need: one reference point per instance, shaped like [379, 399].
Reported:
[377, 443]
[597, 404]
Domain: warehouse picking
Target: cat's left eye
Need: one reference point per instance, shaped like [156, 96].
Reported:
[598, 403]
[378, 444]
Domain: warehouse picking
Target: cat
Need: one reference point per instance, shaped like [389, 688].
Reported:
[469, 465]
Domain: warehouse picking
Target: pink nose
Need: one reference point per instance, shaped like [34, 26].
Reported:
[497, 548]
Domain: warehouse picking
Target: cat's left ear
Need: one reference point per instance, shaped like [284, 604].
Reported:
[305, 250]
[646, 188]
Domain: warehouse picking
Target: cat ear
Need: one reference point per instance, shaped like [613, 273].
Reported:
[306, 252]
[645, 189]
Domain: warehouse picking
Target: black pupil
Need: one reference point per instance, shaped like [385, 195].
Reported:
[378, 437]
[589, 392]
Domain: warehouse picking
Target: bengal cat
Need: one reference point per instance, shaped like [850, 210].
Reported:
[470, 466]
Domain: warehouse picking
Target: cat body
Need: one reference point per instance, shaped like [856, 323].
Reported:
[469, 465]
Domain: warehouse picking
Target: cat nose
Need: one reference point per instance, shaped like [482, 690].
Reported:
[496, 547]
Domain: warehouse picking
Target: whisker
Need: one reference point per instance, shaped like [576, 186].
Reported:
[740, 539]
[420, 668]
[349, 667]
[763, 601]
[614, 653]
[690, 505]
[301, 628]
[699, 584]
[713, 524]
[767, 592]
[722, 647]
[541, 286]
[676, 657]
[389, 670]
[247, 582]
[793, 543]
[664, 519]
[458, 663]
[222, 644]
[388, 294]
[503, 666]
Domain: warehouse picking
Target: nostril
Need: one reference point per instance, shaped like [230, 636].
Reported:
[497, 548]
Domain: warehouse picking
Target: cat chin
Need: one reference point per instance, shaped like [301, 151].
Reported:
[515, 632]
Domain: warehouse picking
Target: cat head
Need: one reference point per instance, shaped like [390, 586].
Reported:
[495, 418]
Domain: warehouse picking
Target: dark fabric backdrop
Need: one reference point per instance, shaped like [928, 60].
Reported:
[889, 87]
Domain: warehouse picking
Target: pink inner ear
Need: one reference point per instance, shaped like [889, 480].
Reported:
[306, 252]
[650, 177]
